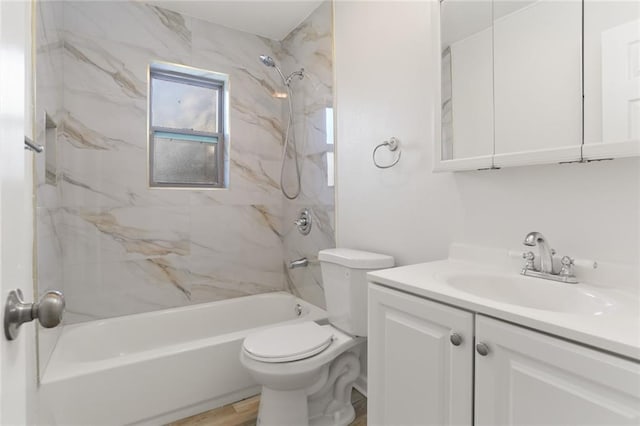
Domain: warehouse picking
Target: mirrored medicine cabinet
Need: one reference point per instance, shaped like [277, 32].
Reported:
[527, 82]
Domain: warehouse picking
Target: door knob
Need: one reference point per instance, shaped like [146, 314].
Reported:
[48, 310]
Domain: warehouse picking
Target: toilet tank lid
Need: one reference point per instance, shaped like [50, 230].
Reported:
[356, 259]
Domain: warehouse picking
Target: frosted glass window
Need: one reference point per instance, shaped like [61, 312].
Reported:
[180, 159]
[186, 127]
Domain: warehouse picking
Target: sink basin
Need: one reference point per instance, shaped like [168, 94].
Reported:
[534, 293]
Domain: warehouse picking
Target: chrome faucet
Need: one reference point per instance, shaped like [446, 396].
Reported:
[545, 253]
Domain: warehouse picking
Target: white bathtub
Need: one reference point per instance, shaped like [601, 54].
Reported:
[160, 366]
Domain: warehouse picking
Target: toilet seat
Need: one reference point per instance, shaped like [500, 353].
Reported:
[288, 342]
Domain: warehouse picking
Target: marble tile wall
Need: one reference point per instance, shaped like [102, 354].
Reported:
[310, 46]
[125, 248]
[128, 248]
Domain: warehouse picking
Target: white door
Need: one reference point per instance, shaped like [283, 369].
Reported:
[529, 378]
[417, 376]
[17, 358]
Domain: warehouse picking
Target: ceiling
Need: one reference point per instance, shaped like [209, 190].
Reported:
[273, 19]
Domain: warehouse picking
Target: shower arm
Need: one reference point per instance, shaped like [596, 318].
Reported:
[299, 74]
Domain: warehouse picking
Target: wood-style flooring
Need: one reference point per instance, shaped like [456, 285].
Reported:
[245, 413]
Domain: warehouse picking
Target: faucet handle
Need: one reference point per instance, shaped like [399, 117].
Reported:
[567, 266]
[530, 258]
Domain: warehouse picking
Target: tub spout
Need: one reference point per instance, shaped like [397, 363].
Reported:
[299, 263]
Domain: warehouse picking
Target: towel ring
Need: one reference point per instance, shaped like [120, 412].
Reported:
[393, 144]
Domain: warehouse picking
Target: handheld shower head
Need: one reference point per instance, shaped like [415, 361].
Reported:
[267, 61]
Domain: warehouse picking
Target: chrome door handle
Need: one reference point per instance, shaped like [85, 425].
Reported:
[49, 311]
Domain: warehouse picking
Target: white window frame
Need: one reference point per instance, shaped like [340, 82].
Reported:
[195, 77]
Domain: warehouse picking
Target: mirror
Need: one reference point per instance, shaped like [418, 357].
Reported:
[511, 83]
[611, 78]
[467, 80]
[537, 77]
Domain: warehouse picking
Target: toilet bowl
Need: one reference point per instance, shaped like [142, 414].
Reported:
[307, 370]
[296, 375]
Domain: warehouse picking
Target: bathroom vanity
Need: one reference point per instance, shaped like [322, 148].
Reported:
[470, 341]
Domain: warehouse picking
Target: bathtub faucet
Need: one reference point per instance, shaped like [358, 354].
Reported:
[299, 263]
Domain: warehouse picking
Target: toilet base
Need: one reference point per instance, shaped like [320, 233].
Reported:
[325, 403]
[282, 408]
[341, 417]
[291, 408]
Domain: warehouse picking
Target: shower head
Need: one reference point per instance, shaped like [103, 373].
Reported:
[267, 61]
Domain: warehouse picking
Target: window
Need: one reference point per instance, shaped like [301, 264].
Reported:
[187, 116]
[328, 123]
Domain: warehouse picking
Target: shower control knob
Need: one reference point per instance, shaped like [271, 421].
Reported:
[49, 311]
[456, 339]
[303, 222]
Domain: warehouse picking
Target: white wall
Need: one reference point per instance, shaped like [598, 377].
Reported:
[588, 210]
[384, 87]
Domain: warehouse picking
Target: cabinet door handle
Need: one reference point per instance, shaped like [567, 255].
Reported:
[482, 349]
[456, 339]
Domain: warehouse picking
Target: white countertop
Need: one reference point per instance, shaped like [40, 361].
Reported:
[617, 331]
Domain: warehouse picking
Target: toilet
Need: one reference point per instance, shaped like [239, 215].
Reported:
[307, 370]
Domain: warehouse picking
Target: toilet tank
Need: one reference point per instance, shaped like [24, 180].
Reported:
[344, 276]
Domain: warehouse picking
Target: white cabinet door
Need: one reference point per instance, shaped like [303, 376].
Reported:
[534, 379]
[416, 375]
[537, 82]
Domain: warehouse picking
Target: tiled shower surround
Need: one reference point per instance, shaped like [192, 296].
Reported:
[117, 247]
[310, 46]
